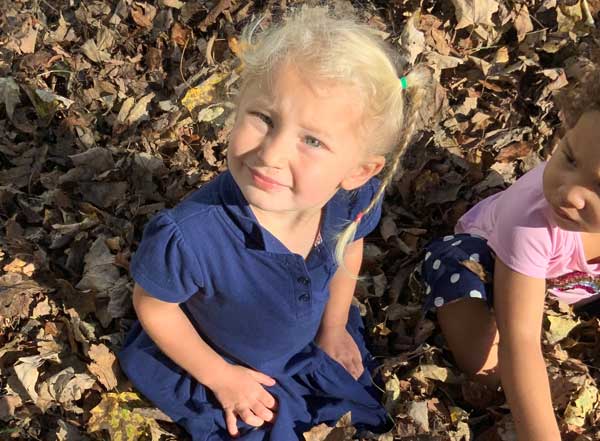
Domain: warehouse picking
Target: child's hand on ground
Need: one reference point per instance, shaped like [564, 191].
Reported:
[339, 345]
[241, 393]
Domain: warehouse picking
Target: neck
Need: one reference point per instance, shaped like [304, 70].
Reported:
[286, 220]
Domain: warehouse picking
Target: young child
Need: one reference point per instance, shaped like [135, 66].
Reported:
[541, 233]
[243, 290]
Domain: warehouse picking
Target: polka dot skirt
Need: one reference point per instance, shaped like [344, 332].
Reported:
[445, 276]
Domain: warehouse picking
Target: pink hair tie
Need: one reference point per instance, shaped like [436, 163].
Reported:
[358, 218]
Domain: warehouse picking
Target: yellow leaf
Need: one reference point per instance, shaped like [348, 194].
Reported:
[116, 414]
[580, 407]
[559, 328]
[203, 94]
[382, 329]
[236, 47]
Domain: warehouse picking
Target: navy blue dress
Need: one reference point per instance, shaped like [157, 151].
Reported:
[258, 305]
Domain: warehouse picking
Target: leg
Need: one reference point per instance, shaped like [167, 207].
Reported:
[469, 328]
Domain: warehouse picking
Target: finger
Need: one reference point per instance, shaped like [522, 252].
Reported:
[262, 378]
[268, 400]
[231, 423]
[262, 412]
[249, 418]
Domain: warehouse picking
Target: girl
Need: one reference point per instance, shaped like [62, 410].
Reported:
[245, 320]
[542, 232]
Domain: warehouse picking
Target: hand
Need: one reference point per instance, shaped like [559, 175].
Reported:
[339, 345]
[241, 393]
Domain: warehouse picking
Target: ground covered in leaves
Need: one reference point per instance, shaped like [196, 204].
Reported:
[113, 110]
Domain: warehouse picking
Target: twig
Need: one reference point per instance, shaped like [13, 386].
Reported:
[214, 13]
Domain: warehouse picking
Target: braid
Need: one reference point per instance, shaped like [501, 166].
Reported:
[348, 234]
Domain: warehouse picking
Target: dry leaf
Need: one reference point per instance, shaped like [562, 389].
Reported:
[117, 414]
[522, 21]
[474, 12]
[578, 410]
[103, 366]
[412, 40]
[203, 94]
[560, 327]
[9, 95]
[143, 14]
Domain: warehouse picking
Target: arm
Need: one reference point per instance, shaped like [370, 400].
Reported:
[519, 309]
[333, 337]
[238, 389]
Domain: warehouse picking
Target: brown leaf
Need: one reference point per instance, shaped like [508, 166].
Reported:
[474, 12]
[179, 34]
[143, 14]
[103, 366]
[512, 152]
[522, 21]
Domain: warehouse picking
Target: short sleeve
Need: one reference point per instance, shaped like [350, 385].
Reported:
[526, 249]
[361, 198]
[163, 264]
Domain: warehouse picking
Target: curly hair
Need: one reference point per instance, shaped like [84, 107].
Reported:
[581, 96]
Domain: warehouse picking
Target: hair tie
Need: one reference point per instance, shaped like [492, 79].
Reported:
[358, 218]
[403, 83]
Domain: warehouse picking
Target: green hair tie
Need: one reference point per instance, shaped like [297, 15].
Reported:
[403, 83]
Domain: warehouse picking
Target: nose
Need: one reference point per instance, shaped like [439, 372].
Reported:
[273, 151]
[573, 196]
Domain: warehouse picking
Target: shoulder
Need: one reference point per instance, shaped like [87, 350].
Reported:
[348, 204]
[524, 235]
[345, 206]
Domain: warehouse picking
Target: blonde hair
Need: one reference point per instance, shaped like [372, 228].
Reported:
[329, 47]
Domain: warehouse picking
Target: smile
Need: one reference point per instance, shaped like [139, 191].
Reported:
[264, 182]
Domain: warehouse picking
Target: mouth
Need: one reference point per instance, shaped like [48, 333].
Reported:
[264, 182]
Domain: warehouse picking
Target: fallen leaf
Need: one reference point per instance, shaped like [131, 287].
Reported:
[117, 414]
[411, 40]
[474, 12]
[9, 95]
[203, 94]
[583, 404]
[522, 21]
[103, 366]
[560, 327]
[143, 14]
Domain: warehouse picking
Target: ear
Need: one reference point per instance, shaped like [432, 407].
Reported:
[363, 172]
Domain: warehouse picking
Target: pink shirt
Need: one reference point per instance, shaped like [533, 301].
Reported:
[520, 229]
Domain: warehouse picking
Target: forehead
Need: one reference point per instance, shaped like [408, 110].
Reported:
[326, 104]
[584, 136]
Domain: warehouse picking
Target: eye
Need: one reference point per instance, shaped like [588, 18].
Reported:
[569, 158]
[313, 142]
[264, 118]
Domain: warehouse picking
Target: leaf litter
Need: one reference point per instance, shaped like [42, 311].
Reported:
[112, 111]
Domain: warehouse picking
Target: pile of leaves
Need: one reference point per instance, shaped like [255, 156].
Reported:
[112, 111]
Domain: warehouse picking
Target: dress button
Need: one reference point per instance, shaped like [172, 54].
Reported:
[304, 297]
[303, 280]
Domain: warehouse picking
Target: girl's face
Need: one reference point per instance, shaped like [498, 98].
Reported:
[296, 142]
[572, 177]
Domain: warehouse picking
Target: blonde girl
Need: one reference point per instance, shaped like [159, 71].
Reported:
[245, 321]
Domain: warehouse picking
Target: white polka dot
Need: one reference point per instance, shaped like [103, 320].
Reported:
[428, 290]
[458, 242]
[436, 264]
[474, 257]
[454, 278]
[428, 255]
[475, 294]
[438, 302]
[419, 268]
[447, 238]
